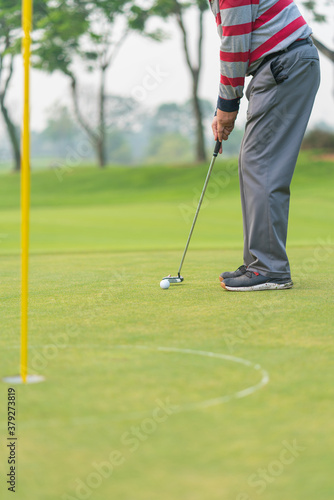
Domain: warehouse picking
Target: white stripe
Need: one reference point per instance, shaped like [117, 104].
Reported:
[181, 408]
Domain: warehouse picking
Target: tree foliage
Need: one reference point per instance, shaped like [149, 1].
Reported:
[319, 139]
[176, 10]
[10, 24]
[92, 33]
[315, 7]
[10, 46]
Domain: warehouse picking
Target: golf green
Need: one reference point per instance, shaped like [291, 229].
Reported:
[190, 393]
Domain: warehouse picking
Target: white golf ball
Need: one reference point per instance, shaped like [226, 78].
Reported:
[164, 284]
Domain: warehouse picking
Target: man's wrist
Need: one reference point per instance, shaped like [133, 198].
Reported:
[228, 105]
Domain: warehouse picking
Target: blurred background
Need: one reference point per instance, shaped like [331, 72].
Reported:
[121, 84]
[130, 82]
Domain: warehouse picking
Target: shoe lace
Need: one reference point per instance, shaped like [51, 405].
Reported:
[249, 274]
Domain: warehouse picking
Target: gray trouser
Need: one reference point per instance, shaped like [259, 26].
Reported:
[281, 96]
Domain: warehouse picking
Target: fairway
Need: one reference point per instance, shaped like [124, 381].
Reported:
[190, 393]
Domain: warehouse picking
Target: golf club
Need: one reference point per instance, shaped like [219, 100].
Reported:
[179, 278]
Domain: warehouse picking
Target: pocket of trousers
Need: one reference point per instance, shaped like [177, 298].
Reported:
[278, 71]
[261, 93]
[282, 66]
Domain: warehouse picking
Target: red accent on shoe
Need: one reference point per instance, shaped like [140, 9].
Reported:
[256, 274]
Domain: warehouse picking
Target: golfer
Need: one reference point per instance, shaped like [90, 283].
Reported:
[269, 40]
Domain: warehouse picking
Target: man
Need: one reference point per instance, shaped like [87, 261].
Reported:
[269, 40]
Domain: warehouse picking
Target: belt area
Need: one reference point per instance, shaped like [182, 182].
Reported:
[294, 45]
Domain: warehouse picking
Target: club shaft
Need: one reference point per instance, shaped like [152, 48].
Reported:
[218, 144]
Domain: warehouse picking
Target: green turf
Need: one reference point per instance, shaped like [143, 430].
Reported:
[101, 242]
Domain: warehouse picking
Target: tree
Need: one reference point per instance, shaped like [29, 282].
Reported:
[168, 148]
[171, 120]
[176, 10]
[312, 6]
[324, 49]
[174, 117]
[118, 147]
[10, 23]
[60, 135]
[62, 138]
[319, 138]
[10, 47]
[92, 32]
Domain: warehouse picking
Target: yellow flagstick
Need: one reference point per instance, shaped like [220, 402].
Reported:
[25, 185]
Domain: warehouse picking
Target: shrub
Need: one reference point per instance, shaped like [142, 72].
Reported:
[319, 139]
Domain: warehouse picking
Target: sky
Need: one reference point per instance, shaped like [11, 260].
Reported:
[154, 73]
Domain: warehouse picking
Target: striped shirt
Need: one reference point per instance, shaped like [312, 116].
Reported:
[250, 30]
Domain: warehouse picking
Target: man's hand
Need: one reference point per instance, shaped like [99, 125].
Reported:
[223, 124]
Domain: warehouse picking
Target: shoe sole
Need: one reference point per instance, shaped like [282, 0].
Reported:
[257, 288]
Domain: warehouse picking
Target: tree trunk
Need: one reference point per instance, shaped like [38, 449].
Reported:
[13, 136]
[96, 137]
[102, 125]
[105, 64]
[93, 136]
[323, 49]
[11, 129]
[195, 72]
[200, 142]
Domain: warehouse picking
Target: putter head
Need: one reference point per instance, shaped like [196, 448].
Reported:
[173, 279]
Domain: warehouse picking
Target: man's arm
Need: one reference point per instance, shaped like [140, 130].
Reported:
[235, 24]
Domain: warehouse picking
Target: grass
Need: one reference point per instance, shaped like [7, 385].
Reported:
[101, 242]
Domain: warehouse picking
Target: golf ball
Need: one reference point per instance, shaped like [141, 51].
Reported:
[164, 284]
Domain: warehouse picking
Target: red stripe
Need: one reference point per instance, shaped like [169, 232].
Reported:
[234, 56]
[237, 29]
[271, 13]
[277, 38]
[234, 82]
[218, 19]
[229, 4]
